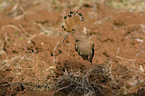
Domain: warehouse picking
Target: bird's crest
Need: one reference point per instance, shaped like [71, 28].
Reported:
[72, 21]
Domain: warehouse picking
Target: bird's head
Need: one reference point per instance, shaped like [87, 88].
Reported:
[72, 22]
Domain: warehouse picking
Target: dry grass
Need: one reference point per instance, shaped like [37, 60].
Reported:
[24, 66]
[91, 82]
[96, 80]
[131, 5]
[101, 79]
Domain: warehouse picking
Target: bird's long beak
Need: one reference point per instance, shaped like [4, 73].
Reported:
[65, 37]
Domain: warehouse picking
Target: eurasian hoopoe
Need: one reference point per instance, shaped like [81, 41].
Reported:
[83, 45]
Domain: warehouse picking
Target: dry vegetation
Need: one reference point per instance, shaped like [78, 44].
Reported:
[29, 49]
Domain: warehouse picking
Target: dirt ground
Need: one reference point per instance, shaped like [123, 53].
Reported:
[28, 40]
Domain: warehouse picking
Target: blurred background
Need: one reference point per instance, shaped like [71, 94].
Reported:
[32, 61]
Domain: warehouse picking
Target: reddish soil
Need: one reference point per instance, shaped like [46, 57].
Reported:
[118, 37]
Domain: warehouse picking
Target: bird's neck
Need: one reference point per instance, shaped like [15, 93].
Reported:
[79, 36]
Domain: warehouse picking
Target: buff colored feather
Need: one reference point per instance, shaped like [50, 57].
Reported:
[84, 45]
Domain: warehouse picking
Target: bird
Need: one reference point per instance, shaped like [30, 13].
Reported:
[83, 44]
